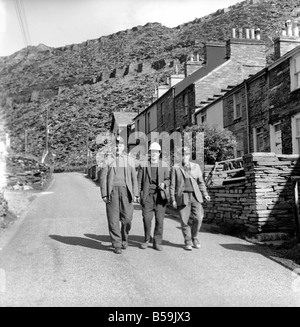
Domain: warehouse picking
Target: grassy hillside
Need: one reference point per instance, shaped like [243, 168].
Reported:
[81, 84]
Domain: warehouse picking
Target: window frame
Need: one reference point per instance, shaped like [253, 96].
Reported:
[295, 137]
[185, 103]
[257, 134]
[295, 72]
[162, 113]
[237, 101]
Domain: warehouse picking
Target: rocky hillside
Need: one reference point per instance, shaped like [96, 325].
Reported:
[79, 85]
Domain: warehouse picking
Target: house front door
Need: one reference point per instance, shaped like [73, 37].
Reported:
[276, 141]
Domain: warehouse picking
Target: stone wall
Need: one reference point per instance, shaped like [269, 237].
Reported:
[263, 202]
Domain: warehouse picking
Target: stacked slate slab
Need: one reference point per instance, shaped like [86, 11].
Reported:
[261, 203]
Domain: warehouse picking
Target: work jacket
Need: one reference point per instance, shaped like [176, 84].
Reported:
[108, 173]
[144, 179]
[178, 176]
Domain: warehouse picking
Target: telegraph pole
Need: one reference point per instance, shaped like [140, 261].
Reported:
[26, 145]
[87, 151]
[47, 114]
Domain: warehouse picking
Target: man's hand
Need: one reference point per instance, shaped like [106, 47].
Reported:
[161, 185]
[174, 204]
[207, 198]
[106, 199]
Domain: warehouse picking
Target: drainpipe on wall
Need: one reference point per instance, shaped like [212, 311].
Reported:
[248, 120]
[174, 111]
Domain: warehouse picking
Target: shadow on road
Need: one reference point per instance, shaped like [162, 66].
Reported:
[263, 250]
[134, 240]
[81, 241]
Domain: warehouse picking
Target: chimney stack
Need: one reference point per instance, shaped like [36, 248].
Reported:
[288, 39]
[246, 45]
[193, 64]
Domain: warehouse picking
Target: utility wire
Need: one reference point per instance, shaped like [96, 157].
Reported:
[25, 21]
[22, 21]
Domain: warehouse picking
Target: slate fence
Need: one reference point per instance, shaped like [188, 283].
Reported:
[260, 199]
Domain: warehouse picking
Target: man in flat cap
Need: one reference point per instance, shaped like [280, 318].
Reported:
[187, 190]
[119, 189]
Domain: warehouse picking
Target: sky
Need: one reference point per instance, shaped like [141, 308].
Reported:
[57, 23]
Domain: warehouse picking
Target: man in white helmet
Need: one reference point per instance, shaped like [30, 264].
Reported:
[153, 183]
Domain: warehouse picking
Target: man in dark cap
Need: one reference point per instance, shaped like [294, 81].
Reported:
[187, 190]
[119, 189]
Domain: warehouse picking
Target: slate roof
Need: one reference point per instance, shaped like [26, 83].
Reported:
[123, 118]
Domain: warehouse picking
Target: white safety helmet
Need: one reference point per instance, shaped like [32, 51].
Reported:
[155, 146]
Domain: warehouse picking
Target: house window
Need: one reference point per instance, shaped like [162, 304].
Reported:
[148, 122]
[185, 103]
[275, 138]
[239, 149]
[237, 107]
[162, 112]
[295, 73]
[296, 134]
[203, 118]
[259, 144]
[138, 125]
[193, 119]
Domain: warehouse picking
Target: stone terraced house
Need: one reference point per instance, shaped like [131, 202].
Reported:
[225, 65]
[263, 111]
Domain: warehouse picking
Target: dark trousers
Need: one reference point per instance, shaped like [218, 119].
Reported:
[191, 216]
[154, 205]
[119, 210]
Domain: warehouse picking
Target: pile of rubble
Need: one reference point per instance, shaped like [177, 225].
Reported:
[25, 173]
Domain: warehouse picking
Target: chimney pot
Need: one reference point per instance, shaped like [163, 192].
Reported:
[252, 33]
[233, 33]
[247, 33]
[257, 33]
[283, 32]
[289, 30]
[295, 29]
[240, 33]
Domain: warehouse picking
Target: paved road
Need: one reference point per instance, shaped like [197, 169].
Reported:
[60, 254]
